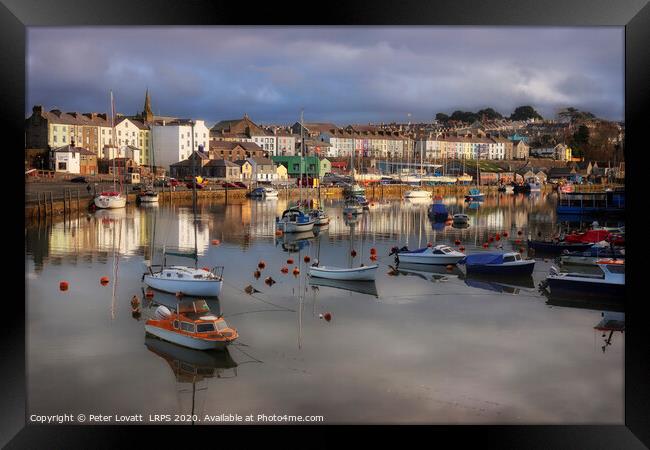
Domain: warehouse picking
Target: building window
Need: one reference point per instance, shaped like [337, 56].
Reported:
[55, 138]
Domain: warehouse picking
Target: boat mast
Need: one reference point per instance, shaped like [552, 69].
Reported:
[302, 150]
[114, 138]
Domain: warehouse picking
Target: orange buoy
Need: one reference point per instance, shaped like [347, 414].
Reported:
[450, 267]
[457, 242]
[269, 281]
[103, 281]
[373, 251]
[278, 232]
[306, 258]
[148, 293]
[257, 274]
[485, 245]
[429, 244]
[353, 253]
[284, 269]
[461, 248]
[296, 271]
[327, 316]
[497, 237]
[373, 257]
[261, 264]
[63, 285]
[216, 242]
[290, 261]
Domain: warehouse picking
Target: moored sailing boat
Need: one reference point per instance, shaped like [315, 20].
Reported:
[111, 199]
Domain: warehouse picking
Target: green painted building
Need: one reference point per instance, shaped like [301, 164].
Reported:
[311, 166]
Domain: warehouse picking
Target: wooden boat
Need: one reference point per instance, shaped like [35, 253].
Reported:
[609, 284]
[558, 246]
[440, 254]
[501, 264]
[191, 325]
[365, 273]
[293, 220]
[474, 195]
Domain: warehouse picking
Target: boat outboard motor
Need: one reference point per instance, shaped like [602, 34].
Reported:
[162, 312]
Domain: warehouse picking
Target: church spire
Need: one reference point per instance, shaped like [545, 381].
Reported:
[147, 114]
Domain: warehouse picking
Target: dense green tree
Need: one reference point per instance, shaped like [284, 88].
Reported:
[464, 116]
[442, 117]
[575, 115]
[489, 113]
[524, 113]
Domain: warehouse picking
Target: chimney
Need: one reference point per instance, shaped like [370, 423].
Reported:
[37, 110]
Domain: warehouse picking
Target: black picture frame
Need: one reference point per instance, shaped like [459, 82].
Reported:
[634, 15]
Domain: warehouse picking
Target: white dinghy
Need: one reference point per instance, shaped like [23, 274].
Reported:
[365, 273]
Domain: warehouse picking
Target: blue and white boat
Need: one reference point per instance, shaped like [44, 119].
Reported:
[438, 212]
[264, 192]
[609, 284]
[440, 254]
[474, 195]
[293, 220]
[501, 264]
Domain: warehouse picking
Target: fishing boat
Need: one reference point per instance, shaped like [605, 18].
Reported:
[609, 284]
[264, 192]
[111, 199]
[558, 246]
[294, 220]
[439, 254]
[500, 264]
[191, 325]
[364, 273]
[148, 196]
[438, 212]
[474, 195]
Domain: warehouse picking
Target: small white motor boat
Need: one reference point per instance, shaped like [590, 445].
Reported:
[148, 196]
[189, 281]
[365, 273]
[417, 193]
[293, 220]
[440, 254]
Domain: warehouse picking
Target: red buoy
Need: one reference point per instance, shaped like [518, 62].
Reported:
[485, 245]
[278, 232]
[490, 239]
[261, 264]
[257, 274]
[327, 316]
[461, 248]
[284, 269]
[373, 251]
[63, 285]
[521, 249]
[148, 293]
[373, 257]
[306, 258]
[179, 294]
[353, 253]
[497, 237]
[216, 242]
[429, 244]
[296, 271]
[517, 241]
[457, 242]
[269, 281]
[103, 281]
[505, 234]
[290, 261]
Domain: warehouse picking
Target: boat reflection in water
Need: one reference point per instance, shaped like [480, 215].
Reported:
[362, 287]
[293, 242]
[505, 285]
[192, 367]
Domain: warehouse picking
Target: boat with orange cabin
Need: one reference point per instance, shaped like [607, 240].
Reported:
[192, 325]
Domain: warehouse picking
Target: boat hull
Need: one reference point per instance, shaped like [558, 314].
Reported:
[148, 198]
[110, 202]
[517, 269]
[593, 289]
[550, 247]
[419, 258]
[184, 340]
[367, 273]
[194, 288]
[293, 227]
[417, 194]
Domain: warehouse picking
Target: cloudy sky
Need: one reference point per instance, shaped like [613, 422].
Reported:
[338, 74]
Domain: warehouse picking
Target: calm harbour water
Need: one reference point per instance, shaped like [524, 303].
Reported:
[419, 347]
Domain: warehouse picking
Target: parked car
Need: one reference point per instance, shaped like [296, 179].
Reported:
[79, 180]
[229, 185]
[241, 185]
[173, 182]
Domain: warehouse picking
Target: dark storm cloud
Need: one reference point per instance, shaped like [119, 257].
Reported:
[339, 74]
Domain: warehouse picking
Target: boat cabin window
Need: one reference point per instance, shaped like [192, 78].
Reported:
[204, 327]
[180, 275]
[187, 326]
[517, 257]
[446, 250]
[509, 258]
[176, 324]
[169, 274]
[221, 325]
